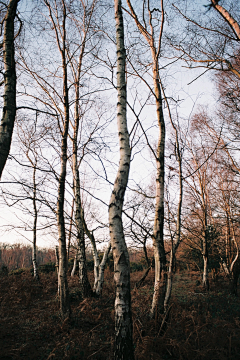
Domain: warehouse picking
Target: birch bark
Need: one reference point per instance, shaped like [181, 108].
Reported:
[83, 278]
[158, 238]
[94, 250]
[179, 212]
[60, 33]
[205, 281]
[9, 98]
[77, 73]
[101, 270]
[123, 316]
[34, 249]
[33, 163]
[227, 16]
[74, 264]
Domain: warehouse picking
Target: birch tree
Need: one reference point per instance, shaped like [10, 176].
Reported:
[9, 82]
[123, 316]
[177, 238]
[76, 67]
[60, 33]
[154, 42]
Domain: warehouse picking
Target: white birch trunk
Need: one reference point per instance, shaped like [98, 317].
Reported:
[60, 32]
[123, 316]
[99, 268]
[205, 272]
[96, 266]
[9, 98]
[34, 249]
[205, 281]
[57, 257]
[102, 266]
[74, 265]
[158, 239]
[176, 243]
[83, 278]
[94, 249]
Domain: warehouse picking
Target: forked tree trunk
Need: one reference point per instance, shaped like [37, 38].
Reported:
[94, 250]
[83, 278]
[101, 270]
[9, 98]
[123, 315]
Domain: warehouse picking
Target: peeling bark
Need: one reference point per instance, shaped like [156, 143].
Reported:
[123, 315]
[9, 97]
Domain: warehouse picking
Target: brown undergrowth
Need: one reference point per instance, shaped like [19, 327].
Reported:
[200, 325]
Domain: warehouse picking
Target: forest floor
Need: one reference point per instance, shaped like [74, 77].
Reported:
[200, 325]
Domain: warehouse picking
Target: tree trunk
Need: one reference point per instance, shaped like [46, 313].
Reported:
[83, 278]
[234, 278]
[123, 316]
[57, 258]
[9, 98]
[176, 243]
[94, 249]
[205, 272]
[205, 281]
[62, 272]
[145, 252]
[63, 262]
[34, 249]
[74, 264]
[158, 239]
[102, 269]
[99, 268]
[70, 230]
